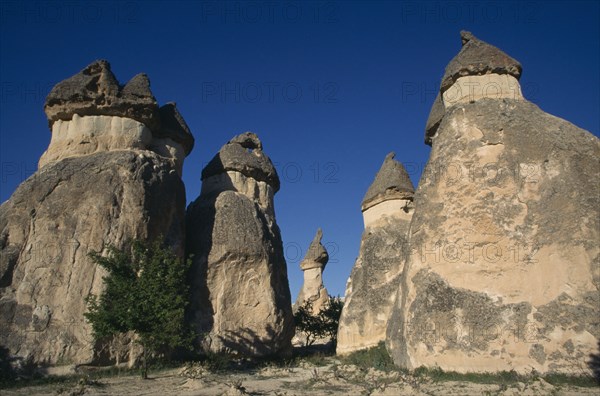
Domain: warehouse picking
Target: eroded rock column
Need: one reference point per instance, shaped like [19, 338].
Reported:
[372, 287]
[312, 266]
[503, 272]
[241, 302]
[110, 174]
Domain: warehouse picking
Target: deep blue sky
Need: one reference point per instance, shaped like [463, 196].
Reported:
[330, 87]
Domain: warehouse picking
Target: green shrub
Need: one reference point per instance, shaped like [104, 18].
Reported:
[376, 357]
[145, 292]
[323, 324]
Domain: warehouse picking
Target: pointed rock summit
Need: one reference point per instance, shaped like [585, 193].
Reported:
[391, 182]
[317, 255]
[392, 187]
[478, 58]
[478, 71]
[373, 284]
[110, 174]
[313, 265]
[503, 266]
[241, 301]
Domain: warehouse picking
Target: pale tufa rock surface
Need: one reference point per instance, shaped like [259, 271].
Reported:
[312, 266]
[373, 284]
[107, 177]
[503, 271]
[50, 224]
[241, 298]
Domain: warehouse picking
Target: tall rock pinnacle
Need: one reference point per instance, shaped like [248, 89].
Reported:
[313, 265]
[111, 174]
[503, 265]
[241, 300]
[373, 284]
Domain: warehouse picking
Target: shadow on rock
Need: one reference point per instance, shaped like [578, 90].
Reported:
[594, 364]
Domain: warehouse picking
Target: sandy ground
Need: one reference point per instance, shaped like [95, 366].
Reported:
[302, 380]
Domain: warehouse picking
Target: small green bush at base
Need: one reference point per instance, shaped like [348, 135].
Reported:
[376, 357]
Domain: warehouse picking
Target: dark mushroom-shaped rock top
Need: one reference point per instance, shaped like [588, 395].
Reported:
[477, 58]
[172, 125]
[243, 154]
[96, 91]
[392, 182]
[316, 256]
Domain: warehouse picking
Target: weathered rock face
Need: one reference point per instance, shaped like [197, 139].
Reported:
[49, 225]
[372, 287]
[108, 190]
[313, 265]
[503, 271]
[241, 299]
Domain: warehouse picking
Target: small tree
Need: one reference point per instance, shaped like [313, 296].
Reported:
[323, 324]
[330, 317]
[146, 293]
[307, 323]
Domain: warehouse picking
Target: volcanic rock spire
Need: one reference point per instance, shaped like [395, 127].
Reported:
[111, 174]
[373, 283]
[503, 265]
[313, 265]
[241, 298]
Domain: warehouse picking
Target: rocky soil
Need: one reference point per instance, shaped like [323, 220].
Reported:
[302, 378]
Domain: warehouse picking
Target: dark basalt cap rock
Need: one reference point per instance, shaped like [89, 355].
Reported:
[138, 88]
[96, 91]
[435, 118]
[172, 125]
[477, 58]
[317, 255]
[392, 182]
[244, 154]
